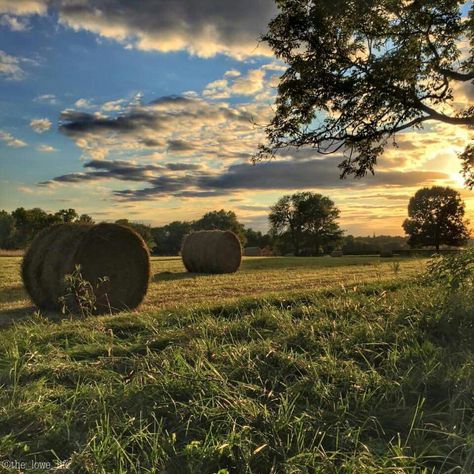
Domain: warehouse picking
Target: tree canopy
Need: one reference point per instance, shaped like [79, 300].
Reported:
[306, 219]
[359, 72]
[436, 217]
[221, 220]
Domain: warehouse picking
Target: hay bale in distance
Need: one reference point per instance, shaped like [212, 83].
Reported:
[103, 250]
[386, 253]
[252, 252]
[211, 251]
[337, 253]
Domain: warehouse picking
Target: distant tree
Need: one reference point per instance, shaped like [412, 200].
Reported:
[306, 219]
[255, 238]
[359, 72]
[436, 217]
[67, 215]
[168, 238]
[85, 219]
[222, 220]
[28, 222]
[143, 230]
[7, 230]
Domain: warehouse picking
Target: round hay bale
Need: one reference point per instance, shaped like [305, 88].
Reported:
[103, 250]
[386, 253]
[337, 253]
[211, 251]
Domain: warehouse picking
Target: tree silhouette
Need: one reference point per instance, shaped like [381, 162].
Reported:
[361, 71]
[305, 219]
[436, 217]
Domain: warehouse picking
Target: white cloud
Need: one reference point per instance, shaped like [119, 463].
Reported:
[10, 67]
[23, 7]
[203, 28]
[46, 148]
[40, 125]
[46, 98]
[10, 140]
[14, 23]
[84, 104]
[235, 84]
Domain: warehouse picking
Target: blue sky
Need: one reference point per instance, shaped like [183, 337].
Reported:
[146, 114]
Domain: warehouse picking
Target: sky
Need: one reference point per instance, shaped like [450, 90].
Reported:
[152, 113]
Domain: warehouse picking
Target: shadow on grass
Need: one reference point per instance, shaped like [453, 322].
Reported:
[10, 294]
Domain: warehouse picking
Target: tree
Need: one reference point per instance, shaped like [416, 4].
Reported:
[143, 230]
[361, 71]
[85, 219]
[305, 219]
[169, 238]
[28, 222]
[222, 220]
[255, 238]
[67, 215]
[436, 217]
[7, 230]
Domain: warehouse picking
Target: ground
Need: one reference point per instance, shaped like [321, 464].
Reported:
[292, 365]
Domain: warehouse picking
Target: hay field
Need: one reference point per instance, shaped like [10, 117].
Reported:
[329, 365]
[172, 287]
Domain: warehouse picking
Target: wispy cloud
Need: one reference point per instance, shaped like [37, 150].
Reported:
[46, 148]
[10, 67]
[14, 23]
[10, 140]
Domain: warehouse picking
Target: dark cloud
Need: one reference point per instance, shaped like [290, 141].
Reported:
[202, 27]
[179, 145]
[163, 180]
[162, 114]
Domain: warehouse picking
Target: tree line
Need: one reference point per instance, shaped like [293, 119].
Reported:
[303, 223]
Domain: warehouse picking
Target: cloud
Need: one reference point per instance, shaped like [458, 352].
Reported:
[250, 84]
[10, 140]
[175, 125]
[203, 28]
[23, 7]
[46, 98]
[160, 180]
[46, 148]
[14, 23]
[84, 104]
[10, 68]
[40, 125]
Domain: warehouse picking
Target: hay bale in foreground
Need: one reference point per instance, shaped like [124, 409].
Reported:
[103, 250]
[211, 251]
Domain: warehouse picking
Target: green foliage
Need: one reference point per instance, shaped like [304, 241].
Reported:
[436, 217]
[454, 272]
[80, 295]
[169, 238]
[373, 245]
[19, 228]
[361, 71]
[221, 220]
[307, 220]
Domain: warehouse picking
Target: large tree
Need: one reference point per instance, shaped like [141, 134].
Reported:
[361, 71]
[221, 220]
[169, 237]
[305, 219]
[436, 217]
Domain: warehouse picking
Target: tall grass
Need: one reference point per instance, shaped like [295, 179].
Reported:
[372, 379]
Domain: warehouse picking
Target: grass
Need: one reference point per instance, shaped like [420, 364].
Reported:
[336, 366]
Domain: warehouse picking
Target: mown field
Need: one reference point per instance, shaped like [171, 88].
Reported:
[292, 365]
